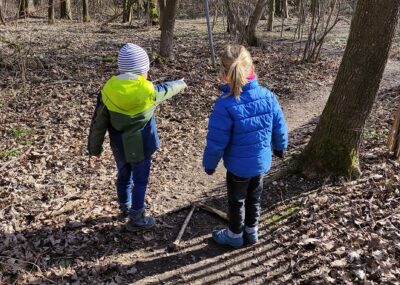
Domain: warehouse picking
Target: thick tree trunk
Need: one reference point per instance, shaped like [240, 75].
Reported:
[334, 146]
[167, 28]
[161, 7]
[51, 12]
[65, 10]
[85, 11]
[271, 15]
[252, 38]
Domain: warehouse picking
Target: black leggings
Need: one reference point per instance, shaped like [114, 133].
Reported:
[244, 200]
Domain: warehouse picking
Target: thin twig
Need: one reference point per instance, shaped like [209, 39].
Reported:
[183, 228]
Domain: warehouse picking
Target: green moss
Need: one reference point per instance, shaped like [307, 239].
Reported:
[21, 135]
[8, 153]
[283, 215]
[110, 58]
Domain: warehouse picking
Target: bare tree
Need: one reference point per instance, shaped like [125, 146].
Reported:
[65, 10]
[167, 28]
[51, 19]
[127, 11]
[271, 15]
[85, 11]
[2, 20]
[334, 146]
[247, 27]
[23, 8]
[324, 17]
[394, 136]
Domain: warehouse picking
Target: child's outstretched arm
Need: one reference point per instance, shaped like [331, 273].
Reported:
[218, 137]
[279, 128]
[166, 90]
[98, 128]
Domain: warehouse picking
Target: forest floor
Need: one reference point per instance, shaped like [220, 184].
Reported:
[58, 213]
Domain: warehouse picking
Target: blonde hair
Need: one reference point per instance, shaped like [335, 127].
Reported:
[236, 66]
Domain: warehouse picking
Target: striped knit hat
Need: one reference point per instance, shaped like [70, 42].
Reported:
[133, 58]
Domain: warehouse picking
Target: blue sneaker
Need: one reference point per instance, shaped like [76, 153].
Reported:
[222, 237]
[250, 238]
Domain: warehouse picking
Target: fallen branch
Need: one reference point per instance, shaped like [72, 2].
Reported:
[214, 211]
[176, 243]
[112, 19]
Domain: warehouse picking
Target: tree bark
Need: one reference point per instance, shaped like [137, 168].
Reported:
[127, 14]
[334, 146]
[271, 15]
[161, 7]
[51, 19]
[285, 8]
[65, 10]
[85, 11]
[167, 28]
[252, 38]
[2, 20]
[394, 136]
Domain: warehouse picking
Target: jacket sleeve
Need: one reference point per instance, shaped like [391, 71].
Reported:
[98, 128]
[279, 127]
[218, 137]
[166, 90]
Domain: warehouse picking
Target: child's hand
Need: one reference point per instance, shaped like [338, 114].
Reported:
[209, 171]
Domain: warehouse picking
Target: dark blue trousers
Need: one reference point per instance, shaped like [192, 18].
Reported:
[244, 201]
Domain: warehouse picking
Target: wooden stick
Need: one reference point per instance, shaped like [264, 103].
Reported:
[214, 211]
[183, 228]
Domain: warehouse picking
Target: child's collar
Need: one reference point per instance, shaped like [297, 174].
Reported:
[128, 76]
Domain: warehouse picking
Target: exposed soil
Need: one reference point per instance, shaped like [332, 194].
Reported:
[58, 212]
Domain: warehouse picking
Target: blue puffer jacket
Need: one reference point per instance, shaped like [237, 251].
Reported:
[242, 131]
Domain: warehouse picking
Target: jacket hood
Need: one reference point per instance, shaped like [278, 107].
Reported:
[128, 96]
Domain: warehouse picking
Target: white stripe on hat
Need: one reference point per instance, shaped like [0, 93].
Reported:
[133, 58]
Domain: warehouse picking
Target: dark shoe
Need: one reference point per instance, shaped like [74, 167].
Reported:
[222, 237]
[139, 221]
[250, 238]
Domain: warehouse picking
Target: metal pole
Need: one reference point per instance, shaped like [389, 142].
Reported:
[210, 38]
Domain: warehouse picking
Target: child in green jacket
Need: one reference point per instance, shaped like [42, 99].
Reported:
[126, 108]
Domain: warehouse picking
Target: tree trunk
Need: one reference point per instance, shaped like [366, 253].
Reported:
[65, 10]
[85, 11]
[2, 21]
[285, 8]
[152, 12]
[271, 15]
[167, 28]
[161, 7]
[394, 136]
[334, 146]
[127, 14]
[252, 38]
[51, 12]
[23, 8]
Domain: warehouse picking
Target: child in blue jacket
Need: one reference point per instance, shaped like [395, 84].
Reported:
[246, 126]
[125, 108]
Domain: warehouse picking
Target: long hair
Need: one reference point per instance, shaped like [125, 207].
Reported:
[236, 66]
